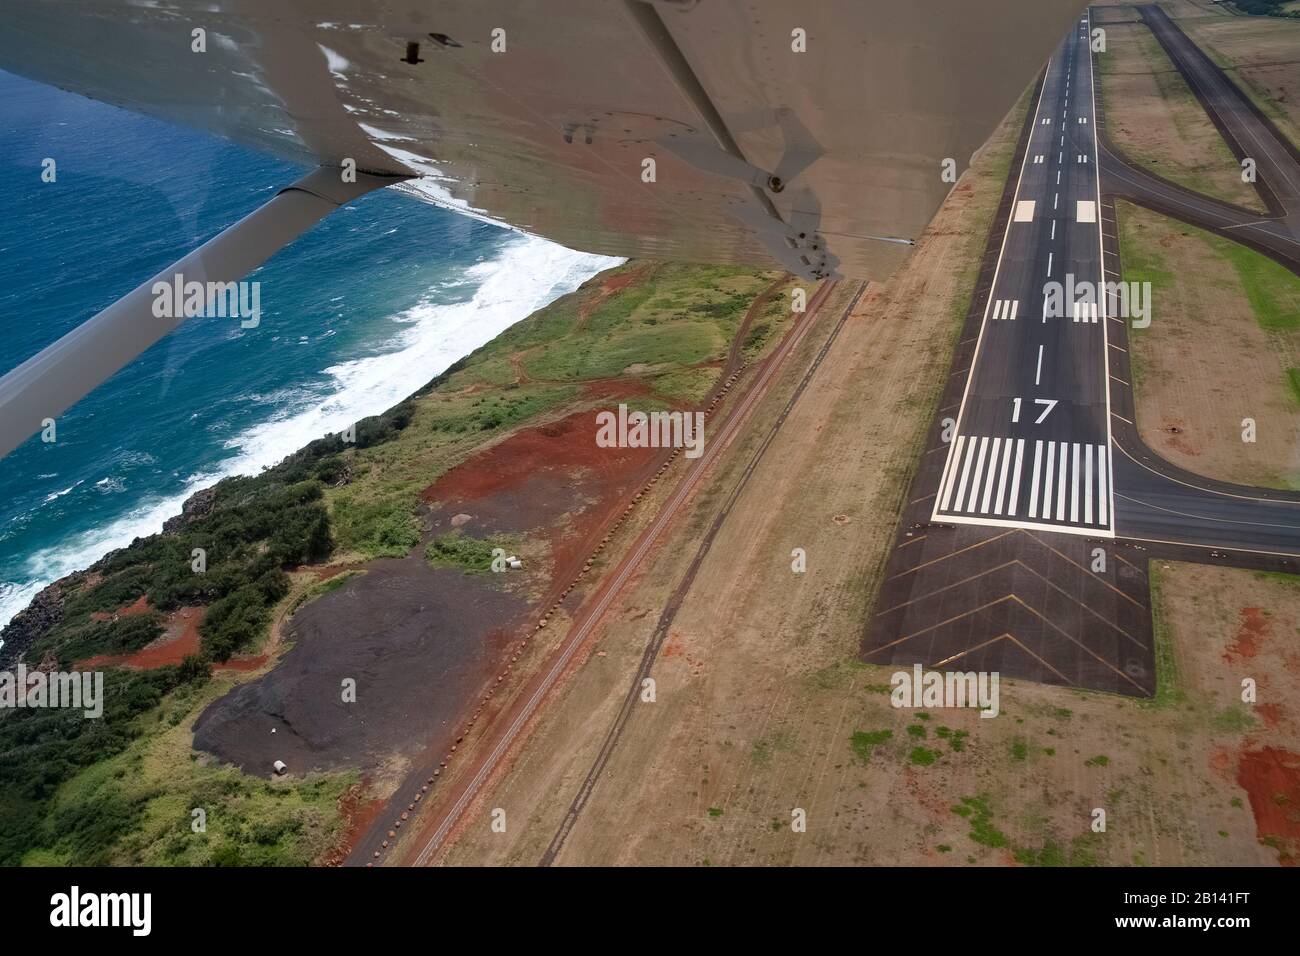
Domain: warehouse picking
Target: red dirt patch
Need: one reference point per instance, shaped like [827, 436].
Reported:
[626, 387]
[180, 638]
[1175, 438]
[1221, 763]
[1271, 714]
[566, 448]
[1253, 629]
[328, 571]
[139, 606]
[1271, 778]
[358, 817]
[549, 481]
[242, 663]
[608, 287]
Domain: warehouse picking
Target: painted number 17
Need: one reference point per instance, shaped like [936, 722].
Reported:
[1047, 403]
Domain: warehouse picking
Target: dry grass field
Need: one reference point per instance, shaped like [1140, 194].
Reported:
[1223, 346]
[1152, 116]
[1262, 56]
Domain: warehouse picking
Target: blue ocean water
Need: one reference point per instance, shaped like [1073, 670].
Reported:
[358, 313]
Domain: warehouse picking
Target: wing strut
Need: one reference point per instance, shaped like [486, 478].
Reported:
[53, 380]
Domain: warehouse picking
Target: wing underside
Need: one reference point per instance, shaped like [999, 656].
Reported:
[812, 133]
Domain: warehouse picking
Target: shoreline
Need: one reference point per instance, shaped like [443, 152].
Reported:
[361, 384]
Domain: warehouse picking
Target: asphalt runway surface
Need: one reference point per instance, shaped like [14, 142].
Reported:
[999, 564]
[1032, 440]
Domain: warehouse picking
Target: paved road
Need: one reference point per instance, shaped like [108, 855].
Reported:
[1247, 132]
[1031, 447]
[1156, 502]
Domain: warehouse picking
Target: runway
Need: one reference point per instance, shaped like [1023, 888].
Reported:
[1031, 444]
[1036, 507]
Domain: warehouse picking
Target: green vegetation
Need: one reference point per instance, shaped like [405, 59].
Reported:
[922, 756]
[1233, 719]
[44, 747]
[467, 553]
[1168, 690]
[1205, 165]
[1272, 289]
[956, 738]
[1100, 760]
[977, 813]
[1264, 8]
[136, 805]
[248, 531]
[864, 742]
[122, 788]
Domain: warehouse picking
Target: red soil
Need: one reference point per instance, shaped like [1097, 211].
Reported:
[566, 447]
[550, 481]
[1271, 778]
[242, 663]
[324, 573]
[1271, 714]
[358, 817]
[616, 388]
[607, 288]
[1221, 763]
[179, 639]
[1254, 628]
[141, 606]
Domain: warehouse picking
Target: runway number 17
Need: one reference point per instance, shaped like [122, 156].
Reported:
[1048, 403]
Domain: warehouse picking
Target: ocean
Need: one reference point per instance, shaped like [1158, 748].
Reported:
[358, 313]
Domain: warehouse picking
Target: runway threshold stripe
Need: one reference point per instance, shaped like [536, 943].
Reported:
[1047, 480]
[1002, 478]
[1087, 485]
[1074, 482]
[965, 473]
[1015, 478]
[1061, 487]
[1060, 484]
[979, 468]
[988, 482]
[1033, 484]
[1103, 498]
[951, 474]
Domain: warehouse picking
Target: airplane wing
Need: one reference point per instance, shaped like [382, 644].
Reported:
[810, 133]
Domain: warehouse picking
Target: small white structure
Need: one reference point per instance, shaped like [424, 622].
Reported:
[280, 767]
[513, 563]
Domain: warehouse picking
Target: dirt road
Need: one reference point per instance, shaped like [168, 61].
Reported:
[511, 726]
